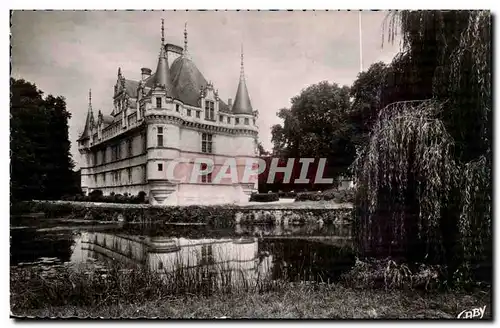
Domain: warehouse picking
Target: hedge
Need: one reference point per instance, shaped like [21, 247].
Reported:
[273, 197]
[339, 196]
[287, 194]
[97, 196]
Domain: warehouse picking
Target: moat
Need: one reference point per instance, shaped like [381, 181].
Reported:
[312, 252]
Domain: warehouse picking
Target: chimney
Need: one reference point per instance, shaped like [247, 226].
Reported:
[145, 73]
[230, 103]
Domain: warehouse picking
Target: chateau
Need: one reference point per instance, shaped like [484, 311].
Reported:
[167, 115]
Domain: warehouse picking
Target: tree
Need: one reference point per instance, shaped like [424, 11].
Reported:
[315, 126]
[424, 180]
[262, 151]
[41, 164]
[366, 93]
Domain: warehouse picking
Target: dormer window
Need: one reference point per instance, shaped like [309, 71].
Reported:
[237, 121]
[188, 112]
[158, 102]
[197, 114]
[221, 118]
[177, 107]
[209, 110]
[228, 120]
[246, 121]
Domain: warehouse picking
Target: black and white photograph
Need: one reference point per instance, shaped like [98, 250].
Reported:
[251, 164]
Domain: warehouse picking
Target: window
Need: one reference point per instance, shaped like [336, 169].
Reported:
[206, 143]
[116, 152]
[177, 108]
[104, 177]
[95, 158]
[104, 159]
[129, 174]
[144, 174]
[209, 110]
[158, 102]
[160, 137]
[246, 121]
[206, 178]
[129, 148]
[253, 121]
[95, 178]
[197, 114]
[160, 167]
[188, 111]
[237, 121]
[144, 142]
[228, 120]
[221, 118]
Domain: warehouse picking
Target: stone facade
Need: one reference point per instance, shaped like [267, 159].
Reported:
[171, 114]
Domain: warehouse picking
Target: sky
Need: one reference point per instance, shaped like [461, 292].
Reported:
[66, 53]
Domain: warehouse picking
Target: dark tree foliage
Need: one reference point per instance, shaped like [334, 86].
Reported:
[262, 151]
[41, 164]
[366, 93]
[431, 161]
[316, 127]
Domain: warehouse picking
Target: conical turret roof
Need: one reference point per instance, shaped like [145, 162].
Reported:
[242, 104]
[162, 75]
[90, 114]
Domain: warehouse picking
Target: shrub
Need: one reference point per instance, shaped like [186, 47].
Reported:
[272, 197]
[309, 195]
[287, 194]
[344, 196]
[339, 196]
[95, 195]
[390, 275]
[142, 197]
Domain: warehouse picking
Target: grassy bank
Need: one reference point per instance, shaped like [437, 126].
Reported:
[115, 292]
[291, 301]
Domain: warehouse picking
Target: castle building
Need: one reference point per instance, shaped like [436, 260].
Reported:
[167, 115]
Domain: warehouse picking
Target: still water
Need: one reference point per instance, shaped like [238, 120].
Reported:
[310, 252]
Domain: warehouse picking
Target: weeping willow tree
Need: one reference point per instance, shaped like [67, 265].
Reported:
[424, 179]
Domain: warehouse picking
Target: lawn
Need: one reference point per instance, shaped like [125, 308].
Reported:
[294, 301]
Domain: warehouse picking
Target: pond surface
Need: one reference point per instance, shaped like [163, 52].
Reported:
[294, 253]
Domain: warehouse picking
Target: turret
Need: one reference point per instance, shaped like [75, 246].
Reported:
[162, 77]
[88, 122]
[242, 104]
[145, 73]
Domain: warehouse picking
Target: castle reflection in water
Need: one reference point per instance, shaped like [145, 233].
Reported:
[237, 257]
